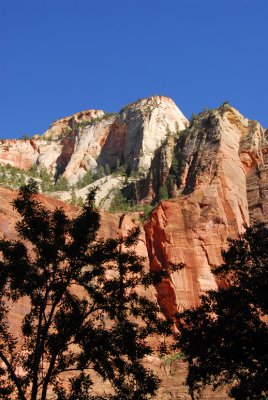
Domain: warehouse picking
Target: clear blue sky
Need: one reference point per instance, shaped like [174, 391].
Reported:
[62, 56]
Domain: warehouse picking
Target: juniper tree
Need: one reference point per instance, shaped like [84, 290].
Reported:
[84, 312]
[107, 169]
[73, 195]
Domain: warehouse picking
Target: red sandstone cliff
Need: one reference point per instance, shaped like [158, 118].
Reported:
[222, 184]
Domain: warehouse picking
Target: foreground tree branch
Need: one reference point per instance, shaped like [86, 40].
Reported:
[13, 376]
[106, 326]
[225, 339]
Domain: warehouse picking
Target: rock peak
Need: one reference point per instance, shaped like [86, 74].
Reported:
[80, 115]
[58, 127]
[155, 100]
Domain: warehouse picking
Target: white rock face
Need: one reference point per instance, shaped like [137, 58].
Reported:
[90, 139]
[106, 188]
[148, 122]
[87, 148]
[49, 154]
[131, 137]
[58, 128]
[20, 153]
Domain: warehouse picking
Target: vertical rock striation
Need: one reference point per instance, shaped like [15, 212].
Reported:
[221, 184]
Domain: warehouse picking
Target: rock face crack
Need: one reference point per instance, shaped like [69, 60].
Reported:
[68, 145]
[34, 146]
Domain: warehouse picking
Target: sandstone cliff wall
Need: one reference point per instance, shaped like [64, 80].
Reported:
[221, 185]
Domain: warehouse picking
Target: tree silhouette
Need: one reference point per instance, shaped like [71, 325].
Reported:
[225, 339]
[84, 312]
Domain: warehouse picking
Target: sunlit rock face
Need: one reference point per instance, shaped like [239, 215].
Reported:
[82, 142]
[19, 153]
[148, 121]
[61, 126]
[221, 185]
[130, 138]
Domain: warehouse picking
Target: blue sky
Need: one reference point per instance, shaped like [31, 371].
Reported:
[58, 57]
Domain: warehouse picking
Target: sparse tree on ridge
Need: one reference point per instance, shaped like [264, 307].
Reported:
[84, 312]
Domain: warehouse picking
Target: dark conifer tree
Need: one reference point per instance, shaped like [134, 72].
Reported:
[225, 339]
[84, 312]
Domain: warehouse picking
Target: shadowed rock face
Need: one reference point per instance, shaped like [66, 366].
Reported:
[9, 217]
